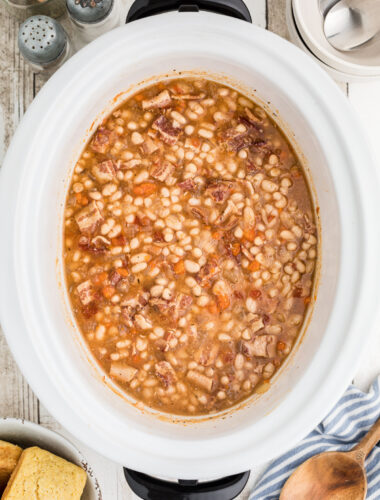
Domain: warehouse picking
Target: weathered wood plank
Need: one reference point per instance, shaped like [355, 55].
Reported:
[16, 93]
[276, 17]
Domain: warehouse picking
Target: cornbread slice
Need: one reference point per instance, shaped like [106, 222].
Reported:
[40, 475]
[9, 455]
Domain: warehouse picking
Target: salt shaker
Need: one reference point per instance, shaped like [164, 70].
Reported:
[92, 18]
[43, 42]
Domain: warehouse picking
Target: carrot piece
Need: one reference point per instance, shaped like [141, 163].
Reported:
[213, 308]
[216, 235]
[281, 346]
[179, 267]
[81, 199]
[307, 300]
[122, 271]
[249, 234]
[223, 302]
[139, 97]
[236, 249]
[108, 291]
[254, 266]
[99, 278]
[145, 189]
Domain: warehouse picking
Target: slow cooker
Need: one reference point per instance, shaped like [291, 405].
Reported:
[34, 306]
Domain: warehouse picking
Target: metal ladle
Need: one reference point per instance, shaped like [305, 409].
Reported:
[351, 24]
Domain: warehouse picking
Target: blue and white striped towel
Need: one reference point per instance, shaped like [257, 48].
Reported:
[343, 427]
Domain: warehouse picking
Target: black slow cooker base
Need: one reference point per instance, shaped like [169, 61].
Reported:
[151, 488]
[144, 486]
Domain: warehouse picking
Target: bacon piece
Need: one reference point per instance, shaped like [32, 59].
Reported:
[181, 305]
[114, 277]
[219, 191]
[164, 344]
[162, 171]
[200, 380]
[86, 292]
[209, 271]
[167, 131]
[200, 214]
[165, 373]
[103, 139]
[88, 218]
[127, 314]
[122, 372]
[162, 100]
[104, 171]
[188, 185]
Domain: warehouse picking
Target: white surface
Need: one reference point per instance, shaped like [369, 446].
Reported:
[17, 399]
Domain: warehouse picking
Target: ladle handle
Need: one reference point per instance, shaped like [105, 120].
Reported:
[362, 449]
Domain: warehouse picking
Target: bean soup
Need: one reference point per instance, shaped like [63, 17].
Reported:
[190, 246]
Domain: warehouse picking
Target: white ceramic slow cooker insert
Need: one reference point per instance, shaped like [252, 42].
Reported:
[34, 308]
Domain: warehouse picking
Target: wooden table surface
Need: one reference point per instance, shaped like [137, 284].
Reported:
[18, 86]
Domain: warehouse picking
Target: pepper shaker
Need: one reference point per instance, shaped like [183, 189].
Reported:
[92, 18]
[43, 42]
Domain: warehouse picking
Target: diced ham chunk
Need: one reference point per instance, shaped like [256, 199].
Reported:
[182, 304]
[162, 100]
[104, 171]
[207, 355]
[219, 191]
[229, 211]
[162, 171]
[209, 271]
[167, 131]
[222, 293]
[264, 346]
[88, 218]
[200, 380]
[160, 305]
[103, 139]
[122, 372]
[149, 146]
[86, 292]
[189, 97]
[165, 373]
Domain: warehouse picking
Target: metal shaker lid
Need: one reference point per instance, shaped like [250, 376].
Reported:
[41, 39]
[89, 11]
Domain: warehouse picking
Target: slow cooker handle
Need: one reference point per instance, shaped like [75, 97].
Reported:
[151, 488]
[146, 8]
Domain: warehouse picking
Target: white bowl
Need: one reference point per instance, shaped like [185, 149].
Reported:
[309, 22]
[27, 434]
[340, 76]
[34, 306]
